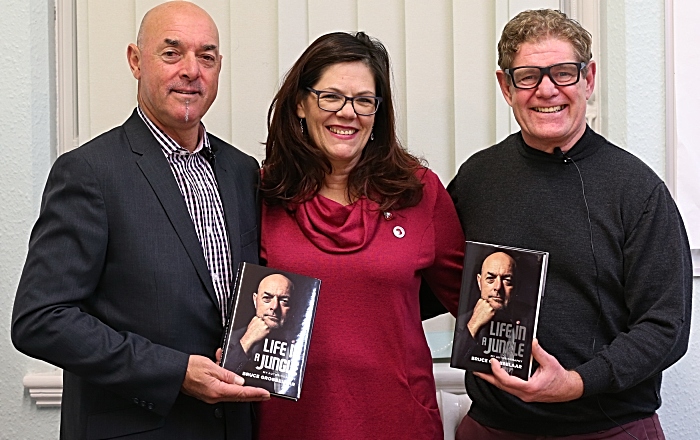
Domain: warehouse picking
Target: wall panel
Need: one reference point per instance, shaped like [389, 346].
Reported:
[429, 84]
[252, 71]
[104, 80]
[331, 15]
[386, 22]
[475, 89]
[218, 118]
[292, 33]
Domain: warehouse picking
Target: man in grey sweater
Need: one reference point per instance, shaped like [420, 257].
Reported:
[617, 304]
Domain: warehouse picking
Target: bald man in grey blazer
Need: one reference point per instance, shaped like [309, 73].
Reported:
[128, 276]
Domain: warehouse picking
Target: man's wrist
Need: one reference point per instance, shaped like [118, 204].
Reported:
[246, 344]
[575, 385]
[473, 328]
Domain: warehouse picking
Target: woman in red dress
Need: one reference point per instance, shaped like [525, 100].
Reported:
[343, 201]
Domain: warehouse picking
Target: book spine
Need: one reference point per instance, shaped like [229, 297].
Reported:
[540, 295]
[307, 339]
[231, 312]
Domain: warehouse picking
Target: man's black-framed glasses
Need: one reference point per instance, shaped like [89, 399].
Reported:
[561, 74]
[334, 102]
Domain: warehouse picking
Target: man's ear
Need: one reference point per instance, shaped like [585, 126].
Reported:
[590, 78]
[478, 280]
[133, 57]
[504, 83]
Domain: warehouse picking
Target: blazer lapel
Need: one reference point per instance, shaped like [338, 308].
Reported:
[228, 189]
[156, 169]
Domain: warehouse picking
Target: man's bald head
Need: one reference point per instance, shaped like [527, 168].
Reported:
[165, 11]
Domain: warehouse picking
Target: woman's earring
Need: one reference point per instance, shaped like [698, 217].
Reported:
[301, 124]
[371, 136]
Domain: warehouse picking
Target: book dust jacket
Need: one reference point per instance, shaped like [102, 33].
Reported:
[499, 302]
[269, 328]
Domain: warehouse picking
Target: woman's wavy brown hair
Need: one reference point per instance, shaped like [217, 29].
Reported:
[294, 167]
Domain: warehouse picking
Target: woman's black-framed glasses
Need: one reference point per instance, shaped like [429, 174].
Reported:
[334, 102]
[561, 74]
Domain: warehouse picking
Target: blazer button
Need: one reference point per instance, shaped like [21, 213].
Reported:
[143, 403]
[136, 400]
[150, 407]
[219, 413]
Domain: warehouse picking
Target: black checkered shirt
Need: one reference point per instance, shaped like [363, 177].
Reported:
[195, 177]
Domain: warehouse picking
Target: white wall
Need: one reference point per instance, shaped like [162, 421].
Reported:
[633, 106]
[634, 118]
[686, 161]
[26, 146]
[636, 121]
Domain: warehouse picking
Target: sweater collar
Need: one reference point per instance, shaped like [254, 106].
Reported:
[335, 228]
[583, 148]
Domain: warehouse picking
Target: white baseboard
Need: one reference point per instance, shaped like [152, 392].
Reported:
[46, 388]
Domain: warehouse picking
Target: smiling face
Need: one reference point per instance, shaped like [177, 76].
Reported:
[549, 116]
[496, 280]
[272, 300]
[340, 135]
[177, 64]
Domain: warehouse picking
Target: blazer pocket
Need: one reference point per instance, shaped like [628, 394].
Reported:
[249, 237]
[122, 422]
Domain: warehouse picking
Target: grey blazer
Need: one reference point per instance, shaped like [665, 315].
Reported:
[116, 291]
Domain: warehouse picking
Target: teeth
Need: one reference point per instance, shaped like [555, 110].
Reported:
[549, 109]
[342, 132]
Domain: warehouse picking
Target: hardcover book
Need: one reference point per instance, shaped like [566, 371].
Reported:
[269, 328]
[498, 308]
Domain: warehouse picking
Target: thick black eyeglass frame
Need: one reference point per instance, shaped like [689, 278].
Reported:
[546, 71]
[347, 98]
